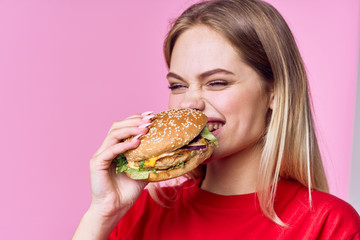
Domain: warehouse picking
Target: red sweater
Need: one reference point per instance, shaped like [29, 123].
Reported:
[198, 214]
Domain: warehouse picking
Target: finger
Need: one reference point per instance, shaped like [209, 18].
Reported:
[134, 120]
[147, 113]
[128, 122]
[117, 135]
[144, 114]
[103, 160]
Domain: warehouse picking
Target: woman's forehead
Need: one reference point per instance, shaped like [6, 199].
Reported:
[203, 49]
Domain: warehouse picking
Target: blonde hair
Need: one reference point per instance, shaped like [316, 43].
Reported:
[265, 42]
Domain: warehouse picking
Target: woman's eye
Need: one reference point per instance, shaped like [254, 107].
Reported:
[218, 83]
[173, 87]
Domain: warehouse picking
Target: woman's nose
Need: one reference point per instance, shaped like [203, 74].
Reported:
[193, 100]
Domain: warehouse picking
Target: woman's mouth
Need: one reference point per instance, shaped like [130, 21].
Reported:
[215, 127]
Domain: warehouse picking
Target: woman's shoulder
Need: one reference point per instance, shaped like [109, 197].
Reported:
[331, 203]
[321, 201]
[326, 210]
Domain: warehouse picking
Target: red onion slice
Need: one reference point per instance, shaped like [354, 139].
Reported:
[194, 147]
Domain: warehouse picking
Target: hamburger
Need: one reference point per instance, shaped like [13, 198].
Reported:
[177, 142]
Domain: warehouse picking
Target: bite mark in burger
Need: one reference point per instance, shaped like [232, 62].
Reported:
[177, 142]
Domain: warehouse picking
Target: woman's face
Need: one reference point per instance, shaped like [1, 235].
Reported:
[206, 73]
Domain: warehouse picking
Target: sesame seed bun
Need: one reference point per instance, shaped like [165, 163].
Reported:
[168, 131]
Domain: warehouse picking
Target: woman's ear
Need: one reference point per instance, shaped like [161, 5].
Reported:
[271, 99]
[271, 95]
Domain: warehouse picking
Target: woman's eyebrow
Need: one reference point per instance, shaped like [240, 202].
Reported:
[214, 71]
[202, 75]
[174, 75]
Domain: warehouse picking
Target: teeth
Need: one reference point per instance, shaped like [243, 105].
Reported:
[216, 126]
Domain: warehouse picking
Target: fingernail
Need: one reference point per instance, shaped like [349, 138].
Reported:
[148, 117]
[136, 137]
[144, 125]
[146, 113]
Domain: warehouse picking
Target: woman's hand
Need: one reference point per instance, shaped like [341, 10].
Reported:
[112, 194]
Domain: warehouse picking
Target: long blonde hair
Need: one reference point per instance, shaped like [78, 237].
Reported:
[265, 42]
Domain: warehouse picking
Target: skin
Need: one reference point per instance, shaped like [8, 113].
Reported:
[206, 73]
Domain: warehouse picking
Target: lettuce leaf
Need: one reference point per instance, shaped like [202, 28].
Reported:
[121, 163]
[139, 174]
[205, 133]
[142, 165]
[181, 164]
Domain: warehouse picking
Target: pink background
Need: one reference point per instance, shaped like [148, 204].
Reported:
[68, 69]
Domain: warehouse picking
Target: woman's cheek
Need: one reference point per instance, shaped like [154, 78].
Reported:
[174, 101]
[225, 102]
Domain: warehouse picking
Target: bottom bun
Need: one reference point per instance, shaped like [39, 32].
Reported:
[190, 165]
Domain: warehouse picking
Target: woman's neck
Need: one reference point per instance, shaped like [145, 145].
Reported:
[233, 175]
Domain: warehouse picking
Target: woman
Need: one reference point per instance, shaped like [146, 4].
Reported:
[236, 61]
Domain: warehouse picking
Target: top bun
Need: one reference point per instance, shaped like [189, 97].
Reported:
[168, 131]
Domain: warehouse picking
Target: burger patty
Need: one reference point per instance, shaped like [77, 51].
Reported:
[169, 161]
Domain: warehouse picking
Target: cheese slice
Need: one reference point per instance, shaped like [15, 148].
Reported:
[152, 161]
